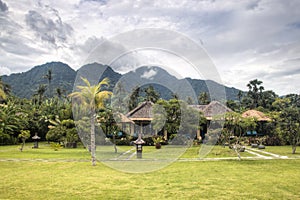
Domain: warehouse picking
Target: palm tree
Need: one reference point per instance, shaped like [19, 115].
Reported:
[40, 93]
[48, 76]
[2, 91]
[91, 97]
[255, 92]
[204, 98]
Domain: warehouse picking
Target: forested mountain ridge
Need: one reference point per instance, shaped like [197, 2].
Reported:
[26, 84]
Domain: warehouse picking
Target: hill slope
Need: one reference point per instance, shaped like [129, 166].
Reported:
[25, 84]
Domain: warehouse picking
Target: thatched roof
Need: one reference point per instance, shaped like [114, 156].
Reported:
[214, 108]
[256, 114]
[121, 118]
[142, 113]
[198, 107]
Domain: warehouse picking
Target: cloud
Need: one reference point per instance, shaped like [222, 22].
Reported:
[47, 29]
[4, 70]
[3, 7]
[245, 39]
[149, 74]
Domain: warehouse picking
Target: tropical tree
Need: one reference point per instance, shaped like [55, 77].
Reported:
[267, 99]
[5, 90]
[169, 115]
[40, 93]
[288, 121]
[159, 116]
[56, 131]
[294, 99]
[49, 77]
[91, 97]
[119, 99]
[255, 93]
[134, 98]
[108, 124]
[151, 94]
[234, 128]
[240, 95]
[2, 93]
[62, 131]
[190, 100]
[24, 135]
[204, 98]
[190, 120]
[233, 105]
[12, 120]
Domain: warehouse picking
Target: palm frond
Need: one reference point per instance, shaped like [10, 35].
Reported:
[86, 81]
[2, 94]
[101, 97]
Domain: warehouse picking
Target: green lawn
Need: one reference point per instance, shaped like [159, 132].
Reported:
[216, 152]
[283, 150]
[67, 179]
[270, 179]
[43, 152]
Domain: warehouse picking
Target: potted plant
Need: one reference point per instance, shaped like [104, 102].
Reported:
[71, 138]
[157, 141]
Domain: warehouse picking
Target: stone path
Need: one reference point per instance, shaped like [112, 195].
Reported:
[127, 155]
[262, 154]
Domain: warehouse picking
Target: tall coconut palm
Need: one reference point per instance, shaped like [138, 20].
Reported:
[48, 76]
[255, 92]
[2, 91]
[91, 97]
[40, 93]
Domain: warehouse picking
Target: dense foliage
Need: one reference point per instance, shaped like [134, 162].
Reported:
[52, 119]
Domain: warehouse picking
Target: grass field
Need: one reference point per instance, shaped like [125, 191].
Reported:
[45, 152]
[283, 150]
[58, 179]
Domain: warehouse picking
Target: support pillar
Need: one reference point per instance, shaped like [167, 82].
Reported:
[198, 134]
[166, 134]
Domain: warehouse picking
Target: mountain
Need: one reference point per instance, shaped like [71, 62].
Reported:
[25, 84]
[167, 85]
[95, 72]
[210, 86]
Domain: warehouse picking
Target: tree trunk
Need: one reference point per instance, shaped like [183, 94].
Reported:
[114, 141]
[237, 151]
[294, 149]
[23, 144]
[93, 150]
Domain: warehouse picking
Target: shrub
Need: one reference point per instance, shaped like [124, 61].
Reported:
[55, 146]
[273, 141]
[122, 142]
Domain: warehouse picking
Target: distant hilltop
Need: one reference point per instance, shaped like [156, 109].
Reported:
[25, 84]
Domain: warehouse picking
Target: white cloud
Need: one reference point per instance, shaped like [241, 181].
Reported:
[245, 39]
[149, 74]
[4, 70]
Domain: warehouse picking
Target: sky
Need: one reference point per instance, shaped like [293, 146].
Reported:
[246, 39]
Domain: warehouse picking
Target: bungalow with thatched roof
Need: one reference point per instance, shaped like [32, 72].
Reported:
[262, 120]
[209, 111]
[259, 116]
[142, 116]
[213, 109]
[126, 124]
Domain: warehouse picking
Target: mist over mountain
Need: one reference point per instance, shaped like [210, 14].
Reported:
[25, 84]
